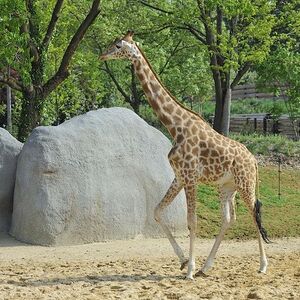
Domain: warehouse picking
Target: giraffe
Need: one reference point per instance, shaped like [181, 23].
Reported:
[199, 155]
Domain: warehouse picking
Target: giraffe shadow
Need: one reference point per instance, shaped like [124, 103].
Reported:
[93, 279]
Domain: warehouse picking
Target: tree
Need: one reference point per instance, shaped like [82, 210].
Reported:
[282, 67]
[25, 47]
[236, 34]
[176, 57]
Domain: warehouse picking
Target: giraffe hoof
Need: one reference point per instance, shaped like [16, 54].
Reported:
[184, 264]
[200, 273]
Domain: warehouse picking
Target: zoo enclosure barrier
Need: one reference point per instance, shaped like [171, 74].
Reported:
[265, 124]
[246, 91]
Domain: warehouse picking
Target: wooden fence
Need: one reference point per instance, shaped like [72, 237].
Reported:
[264, 124]
[251, 91]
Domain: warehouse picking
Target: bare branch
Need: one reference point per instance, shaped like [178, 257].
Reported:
[52, 24]
[169, 58]
[198, 34]
[151, 31]
[115, 81]
[195, 29]
[156, 8]
[63, 72]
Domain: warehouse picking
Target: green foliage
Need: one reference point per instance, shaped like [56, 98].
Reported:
[283, 68]
[287, 30]
[176, 58]
[245, 36]
[251, 40]
[181, 60]
[14, 43]
[248, 106]
[2, 109]
[269, 144]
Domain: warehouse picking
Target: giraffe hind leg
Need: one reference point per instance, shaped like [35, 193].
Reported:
[248, 194]
[227, 196]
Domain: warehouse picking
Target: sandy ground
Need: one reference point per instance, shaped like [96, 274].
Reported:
[146, 269]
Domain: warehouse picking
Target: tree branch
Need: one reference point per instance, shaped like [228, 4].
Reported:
[63, 72]
[115, 81]
[219, 20]
[156, 8]
[52, 24]
[198, 35]
[133, 83]
[33, 30]
[241, 72]
[110, 73]
[169, 58]
[13, 83]
[203, 13]
[151, 31]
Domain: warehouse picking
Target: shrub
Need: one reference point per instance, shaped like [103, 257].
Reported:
[269, 144]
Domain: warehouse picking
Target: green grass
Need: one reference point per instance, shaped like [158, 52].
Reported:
[281, 217]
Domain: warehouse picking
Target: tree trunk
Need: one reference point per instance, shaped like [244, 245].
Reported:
[217, 124]
[223, 102]
[135, 97]
[222, 112]
[8, 109]
[226, 113]
[8, 104]
[30, 115]
[135, 104]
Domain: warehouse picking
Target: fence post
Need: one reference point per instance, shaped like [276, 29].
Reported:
[265, 125]
[279, 178]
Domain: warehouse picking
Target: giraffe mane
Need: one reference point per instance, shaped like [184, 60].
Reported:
[168, 92]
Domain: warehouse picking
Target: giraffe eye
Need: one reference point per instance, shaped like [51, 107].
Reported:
[118, 46]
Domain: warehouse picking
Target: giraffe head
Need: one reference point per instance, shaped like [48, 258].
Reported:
[122, 48]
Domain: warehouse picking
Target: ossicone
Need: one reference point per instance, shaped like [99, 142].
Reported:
[128, 36]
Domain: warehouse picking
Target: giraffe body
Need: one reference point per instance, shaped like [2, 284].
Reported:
[199, 155]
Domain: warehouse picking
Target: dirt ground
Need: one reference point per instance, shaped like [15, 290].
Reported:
[146, 269]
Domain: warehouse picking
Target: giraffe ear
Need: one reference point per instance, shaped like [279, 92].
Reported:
[128, 36]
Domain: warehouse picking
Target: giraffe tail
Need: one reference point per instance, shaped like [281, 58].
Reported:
[257, 213]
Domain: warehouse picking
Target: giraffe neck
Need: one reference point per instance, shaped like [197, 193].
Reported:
[169, 112]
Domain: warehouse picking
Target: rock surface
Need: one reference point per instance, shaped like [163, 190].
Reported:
[9, 151]
[95, 177]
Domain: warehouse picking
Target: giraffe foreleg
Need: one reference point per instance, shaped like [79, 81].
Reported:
[227, 195]
[172, 192]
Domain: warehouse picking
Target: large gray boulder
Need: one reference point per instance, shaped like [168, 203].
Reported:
[95, 177]
[9, 151]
